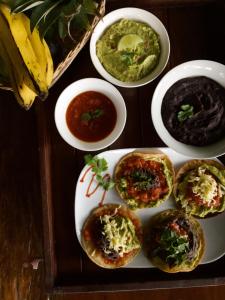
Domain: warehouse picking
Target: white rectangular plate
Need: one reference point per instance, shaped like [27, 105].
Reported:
[213, 227]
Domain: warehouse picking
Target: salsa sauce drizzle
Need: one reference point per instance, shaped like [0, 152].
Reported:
[90, 193]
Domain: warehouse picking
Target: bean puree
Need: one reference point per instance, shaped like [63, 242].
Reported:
[193, 111]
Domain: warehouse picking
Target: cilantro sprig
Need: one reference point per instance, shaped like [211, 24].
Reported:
[127, 57]
[91, 115]
[174, 246]
[143, 179]
[99, 165]
[186, 112]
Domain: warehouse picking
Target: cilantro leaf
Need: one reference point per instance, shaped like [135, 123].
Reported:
[186, 112]
[127, 57]
[175, 247]
[91, 115]
[99, 165]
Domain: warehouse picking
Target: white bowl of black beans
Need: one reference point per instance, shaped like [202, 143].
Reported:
[188, 109]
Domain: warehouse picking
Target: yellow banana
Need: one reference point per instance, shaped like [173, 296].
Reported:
[50, 66]
[19, 76]
[41, 50]
[21, 38]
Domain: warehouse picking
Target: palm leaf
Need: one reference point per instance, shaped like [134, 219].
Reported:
[46, 23]
[90, 7]
[68, 14]
[81, 20]
[71, 7]
[21, 6]
[40, 12]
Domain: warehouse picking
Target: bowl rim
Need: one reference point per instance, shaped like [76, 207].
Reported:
[136, 12]
[208, 68]
[76, 88]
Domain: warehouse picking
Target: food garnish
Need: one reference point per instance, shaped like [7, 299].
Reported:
[91, 115]
[186, 112]
[174, 241]
[200, 187]
[144, 179]
[111, 236]
[98, 166]
[193, 111]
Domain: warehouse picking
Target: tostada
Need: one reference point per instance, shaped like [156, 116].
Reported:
[174, 241]
[144, 179]
[111, 236]
[200, 187]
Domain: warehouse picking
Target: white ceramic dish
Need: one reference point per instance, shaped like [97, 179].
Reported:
[213, 227]
[78, 87]
[137, 15]
[210, 69]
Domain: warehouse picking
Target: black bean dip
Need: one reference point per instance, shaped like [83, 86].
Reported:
[193, 111]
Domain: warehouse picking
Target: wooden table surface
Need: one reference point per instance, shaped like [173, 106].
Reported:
[21, 232]
[21, 224]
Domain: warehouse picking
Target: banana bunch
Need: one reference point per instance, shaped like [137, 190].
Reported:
[26, 57]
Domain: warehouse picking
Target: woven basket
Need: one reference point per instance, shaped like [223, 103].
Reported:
[61, 67]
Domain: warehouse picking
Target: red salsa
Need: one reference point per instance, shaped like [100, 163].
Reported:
[91, 116]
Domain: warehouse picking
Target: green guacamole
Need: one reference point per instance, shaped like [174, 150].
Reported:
[129, 50]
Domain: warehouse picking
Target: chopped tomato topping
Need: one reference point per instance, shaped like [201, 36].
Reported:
[152, 193]
[192, 197]
[178, 229]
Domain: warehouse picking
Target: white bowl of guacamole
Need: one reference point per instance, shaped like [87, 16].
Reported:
[130, 47]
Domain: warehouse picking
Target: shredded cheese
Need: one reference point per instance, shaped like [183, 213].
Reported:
[120, 233]
[204, 185]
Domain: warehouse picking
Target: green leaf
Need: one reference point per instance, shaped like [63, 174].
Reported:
[99, 165]
[41, 12]
[102, 165]
[186, 112]
[176, 246]
[80, 20]
[143, 179]
[10, 3]
[108, 184]
[97, 113]
[90, 7]
[46, 24]
[86, 116]
[62, 29]
[127, 57]
[88, 158]
[21, 5]
[91, 115]
[71, 8]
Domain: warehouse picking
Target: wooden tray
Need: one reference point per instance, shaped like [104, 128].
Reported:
[197, 31]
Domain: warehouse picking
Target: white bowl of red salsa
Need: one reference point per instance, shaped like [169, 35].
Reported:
[90, 114]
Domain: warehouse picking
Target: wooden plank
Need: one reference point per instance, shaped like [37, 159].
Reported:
[20, 204]
[187, 26]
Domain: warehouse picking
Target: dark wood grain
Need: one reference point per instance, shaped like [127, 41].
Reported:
[39, 171]
[20, 204]
[68, 269]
